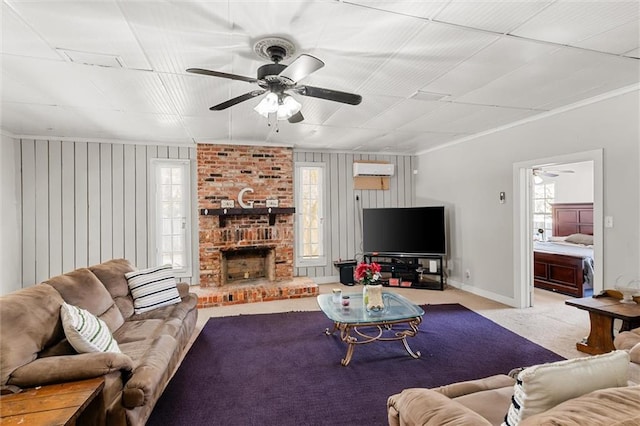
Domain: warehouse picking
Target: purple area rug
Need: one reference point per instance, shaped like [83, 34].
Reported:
[281, 369]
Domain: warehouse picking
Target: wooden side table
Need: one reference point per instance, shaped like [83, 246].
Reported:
[602, 312]
[59, 404]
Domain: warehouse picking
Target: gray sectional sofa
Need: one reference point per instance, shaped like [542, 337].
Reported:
[34, 350]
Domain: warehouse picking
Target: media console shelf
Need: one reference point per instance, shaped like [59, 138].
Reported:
[405, 269]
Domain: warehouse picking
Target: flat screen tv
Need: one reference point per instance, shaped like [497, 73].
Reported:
[404, 231]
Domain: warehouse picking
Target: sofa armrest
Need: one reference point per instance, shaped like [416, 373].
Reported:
[634, 354]
[68, 368]
[426, 407]
[151, 373]
[455, 390]
[183, 289]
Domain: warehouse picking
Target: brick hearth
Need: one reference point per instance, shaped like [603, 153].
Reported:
[255, 291]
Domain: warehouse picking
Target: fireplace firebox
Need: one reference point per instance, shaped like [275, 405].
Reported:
[242, 264]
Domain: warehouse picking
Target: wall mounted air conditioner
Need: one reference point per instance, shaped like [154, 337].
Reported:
[372, 169]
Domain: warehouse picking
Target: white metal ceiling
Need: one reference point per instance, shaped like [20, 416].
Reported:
[490, 63]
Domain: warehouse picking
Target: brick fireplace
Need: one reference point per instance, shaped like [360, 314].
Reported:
[244, 251]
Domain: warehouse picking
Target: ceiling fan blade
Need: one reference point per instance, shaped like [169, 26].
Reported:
[237, 100]
[296, 118]
[222, 74]
[301, 67]
[328, 94]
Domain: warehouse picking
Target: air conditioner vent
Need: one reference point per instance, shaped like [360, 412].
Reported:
[373, 169]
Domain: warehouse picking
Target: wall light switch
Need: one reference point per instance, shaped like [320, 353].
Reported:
[503, 197]
[608, 221]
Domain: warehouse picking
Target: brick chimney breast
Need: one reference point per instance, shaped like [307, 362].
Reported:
[223, 171]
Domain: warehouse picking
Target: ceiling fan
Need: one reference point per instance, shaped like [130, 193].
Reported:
[549, 173]
[279, 81]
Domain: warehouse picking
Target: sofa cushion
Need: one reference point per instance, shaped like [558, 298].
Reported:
[542, 387]
[132, 331]
[111, 274]
[68, 368]
[610, 407]
[152, 288]
[630, 341]
[85, 332]
[425, 407]
[491, 404]
[83, 289]
[34, 316]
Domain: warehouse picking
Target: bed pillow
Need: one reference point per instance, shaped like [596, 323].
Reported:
[584, 239]
[85, 332]
[542, 387]
[152, 288]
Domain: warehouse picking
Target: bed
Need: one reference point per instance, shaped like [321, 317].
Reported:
[563, 266]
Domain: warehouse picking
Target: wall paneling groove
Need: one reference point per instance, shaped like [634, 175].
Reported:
[343, 217]
[85, 203]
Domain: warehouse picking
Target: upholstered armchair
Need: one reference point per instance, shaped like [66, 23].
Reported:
[630, 341]
[591, 390]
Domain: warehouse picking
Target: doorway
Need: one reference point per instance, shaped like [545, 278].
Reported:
[523, 224]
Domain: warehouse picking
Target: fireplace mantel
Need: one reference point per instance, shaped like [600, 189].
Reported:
[224, 213]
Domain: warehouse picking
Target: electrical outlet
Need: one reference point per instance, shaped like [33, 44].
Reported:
[467, 274]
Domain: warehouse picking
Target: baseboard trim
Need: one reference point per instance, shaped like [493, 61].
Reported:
[510, 301]
[326, 280]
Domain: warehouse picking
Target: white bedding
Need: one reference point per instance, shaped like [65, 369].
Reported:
[562, 247]
[570, 249]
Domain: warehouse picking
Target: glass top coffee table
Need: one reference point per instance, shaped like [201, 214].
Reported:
[398, 320]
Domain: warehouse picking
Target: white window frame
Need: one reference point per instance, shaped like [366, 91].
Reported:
[155, 219]
[547, 200]
[321, 259]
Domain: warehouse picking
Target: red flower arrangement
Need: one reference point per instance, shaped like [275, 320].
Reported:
[367, 273]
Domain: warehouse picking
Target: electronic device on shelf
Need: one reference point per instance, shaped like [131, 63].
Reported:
[404, 231]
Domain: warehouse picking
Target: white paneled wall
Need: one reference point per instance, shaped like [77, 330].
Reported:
[345, 212]
[85, 203]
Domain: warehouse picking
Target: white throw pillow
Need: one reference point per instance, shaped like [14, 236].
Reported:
[542, 387]
[85, 332]
[583, 239]
[152, 288]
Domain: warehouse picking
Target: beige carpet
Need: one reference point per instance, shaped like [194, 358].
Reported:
[550, 323]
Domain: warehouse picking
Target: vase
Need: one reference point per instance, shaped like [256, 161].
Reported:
[372, 297]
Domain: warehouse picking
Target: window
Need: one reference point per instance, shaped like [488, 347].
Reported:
[310, 207]
[543, 196]
[171, 211]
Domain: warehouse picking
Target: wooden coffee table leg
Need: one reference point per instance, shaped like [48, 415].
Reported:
[600, 338]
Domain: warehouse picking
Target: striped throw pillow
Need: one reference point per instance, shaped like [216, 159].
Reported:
[152, 288]
[542, 387]
[85, 332]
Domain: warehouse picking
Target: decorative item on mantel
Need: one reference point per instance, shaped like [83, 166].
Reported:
[270, 211]
[368, 275]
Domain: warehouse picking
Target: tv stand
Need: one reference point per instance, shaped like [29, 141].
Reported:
[406, 271]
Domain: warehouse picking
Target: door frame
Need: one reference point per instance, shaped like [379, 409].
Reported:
[523, 228]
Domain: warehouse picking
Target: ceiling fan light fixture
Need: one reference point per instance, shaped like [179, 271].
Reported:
[288, 108]
[268, 105]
